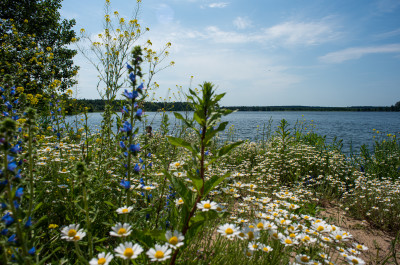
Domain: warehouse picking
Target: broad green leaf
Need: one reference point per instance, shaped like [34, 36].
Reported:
[210, 134]
[227, 148]
[213, 182]
[180, 142]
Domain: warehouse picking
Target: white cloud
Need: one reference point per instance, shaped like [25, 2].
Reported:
[389, 34]
[358, 52]
[218, 5]
[242, 22]
[305, 33]
[387, 6]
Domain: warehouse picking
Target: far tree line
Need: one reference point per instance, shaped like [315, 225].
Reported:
[98, 105]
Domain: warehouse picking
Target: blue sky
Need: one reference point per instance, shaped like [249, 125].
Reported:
[266, 52]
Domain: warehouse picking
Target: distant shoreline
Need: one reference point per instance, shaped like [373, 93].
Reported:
[98, 105]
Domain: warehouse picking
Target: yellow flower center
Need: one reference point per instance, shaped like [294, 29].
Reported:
[207, 206]
[307, 238]
[128, 252]
[255, 246]
[180, 201]
[260, 225]
[320, 228]
[283, 221]
[76, 238]
[229, 231]
[251, 235]
[101, 261]
[339, 237]
[121, 231]
[248, 253]
[354, 261]
[173, 240]
[292, 235]
[72, 233]
[125, 210]
[304, 259]
[219, 209]
[64, 170]
[241, 234]
[266, 249]
[288, 241]
[159, 254]
[359, 247]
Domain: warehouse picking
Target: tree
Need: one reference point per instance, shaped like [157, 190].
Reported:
[397, 106]
[35, 27]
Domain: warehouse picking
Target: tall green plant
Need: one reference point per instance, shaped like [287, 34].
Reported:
[206, 124]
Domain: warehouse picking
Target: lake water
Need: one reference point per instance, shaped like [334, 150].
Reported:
[355, 128]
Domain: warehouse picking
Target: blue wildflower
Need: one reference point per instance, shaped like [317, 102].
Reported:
[19, 192]
[127, 127]
[32, 251]
[134, 147]
[140, 87]
[129, 66]
[8, 105]
[8, 219]
[29, 222]
[16, 204]
[132, 77]
[12, 166]
[12, 238]
[131, 95]
[126, 184]
[16, 149]
[4, 232]
[139, 112]
[122, 144]
[136, 168]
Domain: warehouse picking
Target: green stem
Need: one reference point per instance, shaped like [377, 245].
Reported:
[30, 170]
[87, 220]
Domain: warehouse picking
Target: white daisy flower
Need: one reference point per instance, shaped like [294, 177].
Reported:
[174, 239]
[360, 247]
[207, 205]
[288, 241]
[267, 249]
[128, 250]
[340, 235]
[354, 260]
[159, 253]
[230, 231]
[124, 210]
[121, 230]
[72, 233]
[179, 201]
[303, 259]
[102, 258]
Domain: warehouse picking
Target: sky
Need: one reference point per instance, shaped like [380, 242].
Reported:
[264, 52]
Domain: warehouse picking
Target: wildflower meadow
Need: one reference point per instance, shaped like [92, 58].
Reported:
[184, 193]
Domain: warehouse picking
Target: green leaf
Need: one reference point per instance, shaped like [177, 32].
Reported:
[38, 206]
[213, 182]
[179, 116]
[196, 180]
[181, 143]
[110, 204]
[211, 133]
[227, 148]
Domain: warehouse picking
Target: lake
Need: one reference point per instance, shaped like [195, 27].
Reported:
[355, 128]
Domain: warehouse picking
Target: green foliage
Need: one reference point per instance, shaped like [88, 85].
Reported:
[35, 40]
